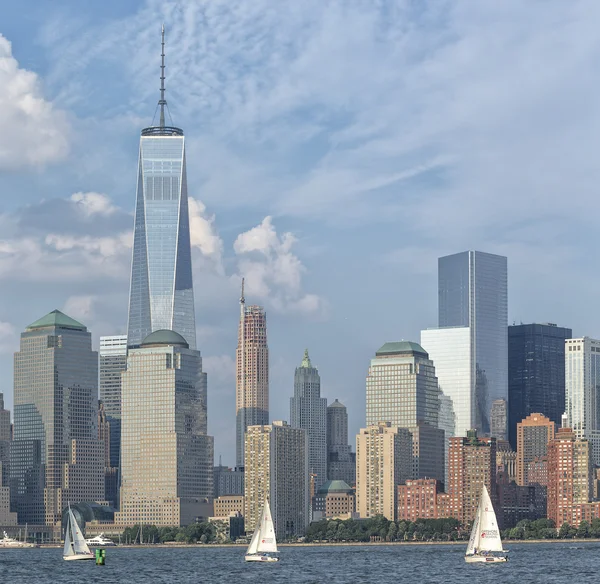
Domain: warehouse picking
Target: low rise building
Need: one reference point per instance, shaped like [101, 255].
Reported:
[419, 499]
[334, 500]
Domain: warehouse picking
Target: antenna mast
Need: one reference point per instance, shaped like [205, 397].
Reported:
[162, 102]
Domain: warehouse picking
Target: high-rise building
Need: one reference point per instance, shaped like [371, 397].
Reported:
[499, 419]
[569, 476]
[383, 461]
[111, 474]
[533, 435]
[469, 350]
[56, 418]
[6, 516]
[161, 293]
[308, 410]
[228, 481]
[166, 456]
[341, 461]
[582, 390]
[277, 467]
[472, 464]
[402, 389]
[252, 373]
[112, 361]
[536, 373]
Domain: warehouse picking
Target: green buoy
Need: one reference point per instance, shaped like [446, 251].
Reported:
[100, 557]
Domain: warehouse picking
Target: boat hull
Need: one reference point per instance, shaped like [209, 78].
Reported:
[79, 557]
[260, 558]
[477, 559]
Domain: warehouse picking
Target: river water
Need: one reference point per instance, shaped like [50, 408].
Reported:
[573, 563]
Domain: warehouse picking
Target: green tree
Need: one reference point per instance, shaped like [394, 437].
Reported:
[583, 529]
[563, 532]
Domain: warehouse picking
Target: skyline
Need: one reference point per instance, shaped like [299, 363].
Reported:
[281, 171]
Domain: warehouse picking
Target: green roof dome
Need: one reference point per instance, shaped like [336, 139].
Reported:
[334, 487]
[164, 337]
[401, 348]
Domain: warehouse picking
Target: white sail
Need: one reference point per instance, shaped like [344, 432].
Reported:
[68, 549]
[474, 539]
[267, 541]
[79, 544]
[253, 547]
[489, 533]
[485, 535]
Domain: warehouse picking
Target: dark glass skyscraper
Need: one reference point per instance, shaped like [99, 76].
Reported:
[536, 373]
[472, 292]
[161, 295]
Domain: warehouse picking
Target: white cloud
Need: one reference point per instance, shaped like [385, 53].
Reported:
[272, 270]
[203, 233]
[93, 204]
[80, 307]
[221, 372]
[34, 132]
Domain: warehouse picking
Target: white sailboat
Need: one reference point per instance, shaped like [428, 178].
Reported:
[485, 535]
[75, 546]
[263, 540]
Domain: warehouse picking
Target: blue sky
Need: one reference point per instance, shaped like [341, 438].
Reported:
[335, 150]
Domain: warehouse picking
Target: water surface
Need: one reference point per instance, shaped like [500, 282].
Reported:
[573, 563]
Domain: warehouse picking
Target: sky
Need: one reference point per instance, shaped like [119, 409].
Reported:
[335, 150]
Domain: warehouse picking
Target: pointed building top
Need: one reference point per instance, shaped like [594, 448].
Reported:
[56, 318]
[306, 360]
[162, 129]
[242, 299]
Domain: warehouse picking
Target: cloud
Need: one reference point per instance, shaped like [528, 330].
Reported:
[34, 132]
[272, 270]
[91, 204]
[221, 373]
[203, 233]
[8, 337]
[80, 307]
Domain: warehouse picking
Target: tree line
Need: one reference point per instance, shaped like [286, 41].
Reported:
[149, 534]
[381, 529]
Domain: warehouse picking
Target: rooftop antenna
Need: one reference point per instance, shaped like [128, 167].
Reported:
[162, 102]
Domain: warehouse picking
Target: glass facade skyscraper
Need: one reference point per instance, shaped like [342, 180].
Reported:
[536, 373]
[161, 294]
[56, 417]
[308, 410]
[473, 296]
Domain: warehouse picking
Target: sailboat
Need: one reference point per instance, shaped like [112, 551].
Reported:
[263, 540]
[485, 535]
[75, 546]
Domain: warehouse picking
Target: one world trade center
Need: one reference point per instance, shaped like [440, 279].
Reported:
[161, 294]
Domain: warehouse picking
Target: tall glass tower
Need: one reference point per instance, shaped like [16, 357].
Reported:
[161, 294]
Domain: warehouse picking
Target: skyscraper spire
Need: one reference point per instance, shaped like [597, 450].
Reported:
[162, 102]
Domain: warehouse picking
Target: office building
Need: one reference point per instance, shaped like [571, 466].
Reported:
[252, 374]
[536, 373]
[277, 467]
[472, 464]
[228, 481]
[6, 516]
[225, 505]
[383, 461]
[111, 474]
[334, 500]
[161, 292]
[308, 410]
[533, 435]
[499, 419]
[341, 461]
[582, 390]
[112, 362]
[402, 389]
[569, 477]
[469, 349]
[56, 419]
[166, 456]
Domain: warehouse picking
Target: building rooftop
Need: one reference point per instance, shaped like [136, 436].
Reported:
[306, 360]
[334, 487]
[337, 404]
[401, 348]
[164, 337]
[56, 318]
